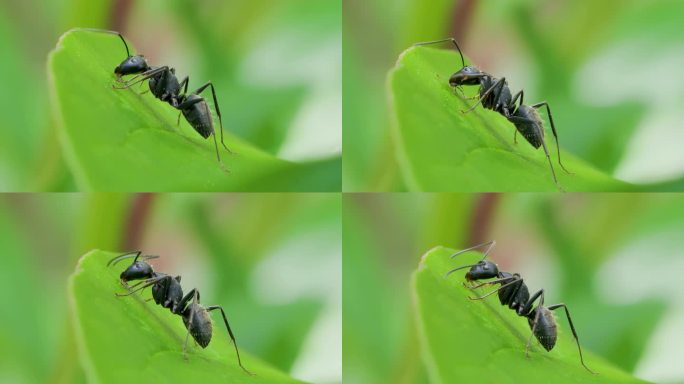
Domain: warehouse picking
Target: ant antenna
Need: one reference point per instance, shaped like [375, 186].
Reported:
[128, 255]
[441, 41]
[490, 244]
[128, 53]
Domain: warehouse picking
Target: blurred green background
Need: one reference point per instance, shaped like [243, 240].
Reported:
[610, 71]
[272, 260]
[276, 66]
[614, 259]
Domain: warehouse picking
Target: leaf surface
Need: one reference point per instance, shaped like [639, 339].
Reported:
[439, 148]
[129, 340]
[122, 140]
[465, 340]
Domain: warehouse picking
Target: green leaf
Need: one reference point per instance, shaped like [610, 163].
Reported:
[119, 140]
[125, 339]
[441, 149]
[465, 339]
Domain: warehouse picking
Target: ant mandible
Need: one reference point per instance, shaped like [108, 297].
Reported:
[513, 292]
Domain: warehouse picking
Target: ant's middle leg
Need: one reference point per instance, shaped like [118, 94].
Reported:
[193, 294]
[526, 310]
[182, 84]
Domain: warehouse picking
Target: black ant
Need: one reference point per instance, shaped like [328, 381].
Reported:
[167, 292]
[496, 95]
[514, 293]
[165, 86]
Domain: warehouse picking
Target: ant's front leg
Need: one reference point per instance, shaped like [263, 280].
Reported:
[499, 84]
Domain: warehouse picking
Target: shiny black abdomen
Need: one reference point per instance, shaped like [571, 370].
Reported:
[529, 124]
[199, 116]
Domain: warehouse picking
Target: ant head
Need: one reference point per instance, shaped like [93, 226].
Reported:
[482, 270]
[132, 65]
[136, 271]
[468, 75]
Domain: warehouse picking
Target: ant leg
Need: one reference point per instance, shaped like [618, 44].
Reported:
[515, 280]
[145, 91]
[146, 283]
[489, 245]
[442, 41]
[143, 76]
[188, 103]
[527, 309]
[514, 107]
[501, 280]
[500, 84]
[553, 129]
[216, 105]
[192, 294]
[184, 301]
[230, 332]
[183, 84]
[572, 327]
[514, 119]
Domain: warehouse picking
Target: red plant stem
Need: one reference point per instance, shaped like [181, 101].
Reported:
[462, 15]
[483, 215]
[138, 215]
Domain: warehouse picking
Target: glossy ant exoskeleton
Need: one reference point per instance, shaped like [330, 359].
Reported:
[514, 293]
[165, 86]
[167, 292]
[495, 94]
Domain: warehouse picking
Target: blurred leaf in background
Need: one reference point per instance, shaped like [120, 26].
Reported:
[276, 71]
[273, 259]
[602, 254]
[574, 54]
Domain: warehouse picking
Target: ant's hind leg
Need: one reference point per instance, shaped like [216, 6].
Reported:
[230, 333]
[553, 130]
[572, 328]
[192, 294]
[514, 120]
[218, 110]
